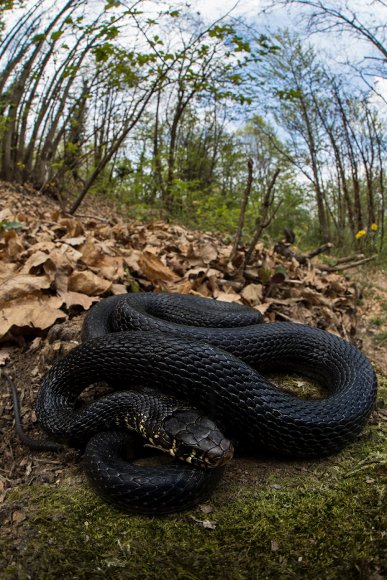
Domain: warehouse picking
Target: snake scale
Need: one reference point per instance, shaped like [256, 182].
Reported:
[209, 354]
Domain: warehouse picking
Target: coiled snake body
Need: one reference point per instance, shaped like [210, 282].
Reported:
[211, 354]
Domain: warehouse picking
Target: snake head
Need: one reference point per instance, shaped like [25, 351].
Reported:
[196, 439]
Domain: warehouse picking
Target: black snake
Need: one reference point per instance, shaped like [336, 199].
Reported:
[210, 354]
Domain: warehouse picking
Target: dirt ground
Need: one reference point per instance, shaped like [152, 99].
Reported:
[372, 315]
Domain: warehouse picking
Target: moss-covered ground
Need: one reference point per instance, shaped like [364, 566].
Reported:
[269, 519]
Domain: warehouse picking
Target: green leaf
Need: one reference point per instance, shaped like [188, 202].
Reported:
[56, 35]
[6, 225]
[288, 94]
[38, 38]
[221, 32]
[112, 4]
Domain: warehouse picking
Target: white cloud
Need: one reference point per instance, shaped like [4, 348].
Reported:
[214, 9]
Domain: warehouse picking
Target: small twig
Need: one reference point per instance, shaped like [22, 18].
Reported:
[90, 217]
[242, 214]
[349, 258]
[320, 250]
[35, 444]
[265, 220]
[285, 250]
[347, 266]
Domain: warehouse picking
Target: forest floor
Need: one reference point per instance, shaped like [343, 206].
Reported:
[269, 518]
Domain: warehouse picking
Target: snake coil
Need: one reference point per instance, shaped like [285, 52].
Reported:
[210, 354]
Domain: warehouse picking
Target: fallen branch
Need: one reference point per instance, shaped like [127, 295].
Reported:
[339, 267]
[284, 249]
[89, 217]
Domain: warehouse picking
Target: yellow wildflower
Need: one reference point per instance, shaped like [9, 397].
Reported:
[360, 234]
[374, 227]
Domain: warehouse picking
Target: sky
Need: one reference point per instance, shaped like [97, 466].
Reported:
[331, 44]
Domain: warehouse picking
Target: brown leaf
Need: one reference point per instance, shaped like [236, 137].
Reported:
[202, 270]
[6, 270]
[119, 289]
[77, 299]
[88, 283]
[58, 266]
[21, 285]
[18, 517]
[14, 244]
[154, 269]
[75, 241]
[181, 287]
[42, 245]
[252, 294]
[111, 267]
[314, 297]
[73, 226]
[91, 252]
[208, 525]
[133, 260]
[33, 311]
[207, 252]
[6, 215]
[262, 308]
[230, 296]
[5, 355]
[206, 508]
[37, 259]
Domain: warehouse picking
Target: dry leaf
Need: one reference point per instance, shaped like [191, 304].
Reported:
[77, 299]
[111, 267]
[14, 244]
[252, 293]
[227, 296]
[6, 270]
[91, 252]
[5, 355]
[153, 268]
[314, 297]
[208, 525]
[262, 308]
[34, 311]
[88, 283]
[119, 289]
[75, 241]
[21, 285]
[133, 260]
[44, 246]
[18, 517]
[159, 256]
[6, 215]
[205, 508]
[73, 226]
[33, 263]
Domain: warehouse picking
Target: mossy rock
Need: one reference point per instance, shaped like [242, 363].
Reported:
[269, 519]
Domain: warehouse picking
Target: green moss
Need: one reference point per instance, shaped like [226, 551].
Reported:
[323, 519]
